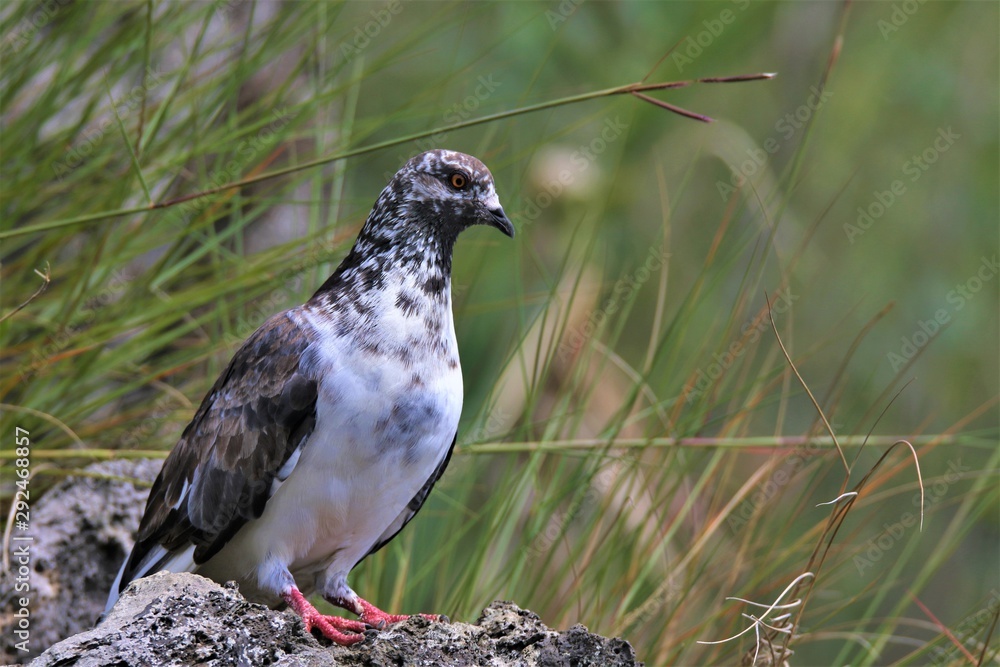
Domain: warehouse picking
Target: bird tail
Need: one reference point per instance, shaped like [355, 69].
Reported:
[159, 559]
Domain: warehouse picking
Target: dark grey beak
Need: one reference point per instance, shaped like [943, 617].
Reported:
[500, 220]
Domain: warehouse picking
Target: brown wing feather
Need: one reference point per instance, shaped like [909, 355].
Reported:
[219, 474]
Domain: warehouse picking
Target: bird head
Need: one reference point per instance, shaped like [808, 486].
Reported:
[450, 192]
[419, 215]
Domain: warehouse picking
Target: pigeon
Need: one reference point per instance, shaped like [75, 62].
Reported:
[332, 422]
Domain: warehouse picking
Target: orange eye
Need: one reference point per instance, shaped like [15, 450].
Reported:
[458, 180]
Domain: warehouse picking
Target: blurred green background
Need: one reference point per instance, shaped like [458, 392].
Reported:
[858, 189]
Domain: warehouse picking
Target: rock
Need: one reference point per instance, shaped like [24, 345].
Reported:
[81, 529]
[184, 619]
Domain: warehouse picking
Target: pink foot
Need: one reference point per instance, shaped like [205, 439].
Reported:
[332, 627]
[377, 618]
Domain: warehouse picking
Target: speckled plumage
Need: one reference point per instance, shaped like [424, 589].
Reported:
[333, 421]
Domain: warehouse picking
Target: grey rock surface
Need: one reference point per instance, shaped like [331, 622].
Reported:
[82, 530]
[184, 619]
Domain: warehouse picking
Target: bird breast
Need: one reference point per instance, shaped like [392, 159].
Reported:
[384, 422]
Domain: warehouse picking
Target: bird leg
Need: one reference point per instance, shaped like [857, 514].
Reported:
[332, 627]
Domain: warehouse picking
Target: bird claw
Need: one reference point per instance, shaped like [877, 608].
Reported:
[379, 619]
[342, 631]
[327, 625]
[382, 623]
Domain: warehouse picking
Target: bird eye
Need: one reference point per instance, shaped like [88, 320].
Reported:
[458, 180]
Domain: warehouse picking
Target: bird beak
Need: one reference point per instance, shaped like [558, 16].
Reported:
[500, 220]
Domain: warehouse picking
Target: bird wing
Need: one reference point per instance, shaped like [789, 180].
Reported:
[414, 505]
[220, 474]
